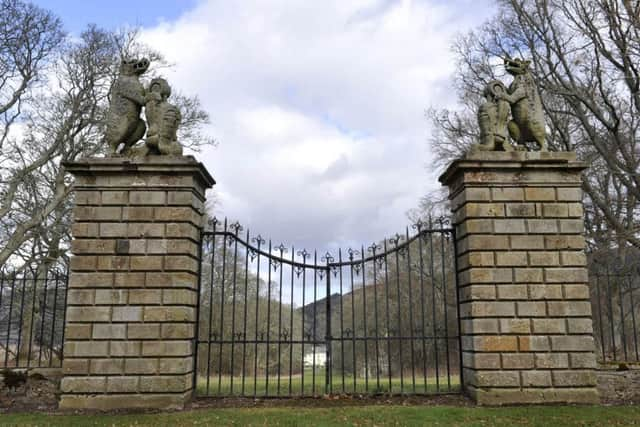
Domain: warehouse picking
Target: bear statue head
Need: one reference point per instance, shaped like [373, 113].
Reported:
[134, 67]
[516, 66]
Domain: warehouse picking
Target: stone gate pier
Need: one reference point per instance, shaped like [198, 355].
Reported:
[131, 313]
[526, 322]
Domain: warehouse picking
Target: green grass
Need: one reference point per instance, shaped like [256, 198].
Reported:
[351, 416]
[359, 385]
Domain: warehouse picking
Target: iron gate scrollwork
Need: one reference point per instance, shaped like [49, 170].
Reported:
[276, 321]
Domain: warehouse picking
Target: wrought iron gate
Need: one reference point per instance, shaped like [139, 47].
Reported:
[276, 321]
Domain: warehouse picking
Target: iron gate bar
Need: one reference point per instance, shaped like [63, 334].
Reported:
[400, 246]
[6, 352]
[633, 319]
[24, 282]
[18, 289]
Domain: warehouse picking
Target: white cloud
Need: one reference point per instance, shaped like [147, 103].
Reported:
[319, 108]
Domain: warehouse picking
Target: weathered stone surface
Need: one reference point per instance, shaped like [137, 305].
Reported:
[131, 313]
[526, 329]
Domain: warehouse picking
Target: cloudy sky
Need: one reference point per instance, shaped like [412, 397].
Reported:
[318, 106]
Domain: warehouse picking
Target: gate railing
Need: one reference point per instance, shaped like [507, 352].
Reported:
[615, 298]
[276, 321]
[32, 316]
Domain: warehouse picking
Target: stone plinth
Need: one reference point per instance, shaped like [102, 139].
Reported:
[129, 334]
[524, 298]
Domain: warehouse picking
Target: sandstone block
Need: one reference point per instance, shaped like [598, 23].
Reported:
[539, 259]
[566, 275]
[521, 210]
[574, 378]
[571, 226]
[540, 226]
[80, 296]
[84, 229]
[143, 331]
[111, 297]
[90, 280]
[83, 384]
[552, 360]
[572, 343]
[511, 259]
[142, 366]
[481, 360]
[113, 229]
[147, 197]
[526, 242]
[178, 331]
[114, 198]
[583, 360]
[531, 309]
[137, 213]
[569, 308]
[518, 361]
[125, 348]
[573, 258]
[75, 331]
[176, 365]
[145, 230]
[171, 384]
[569, 194]
[576, 292]
[540, 194]
[509, 226]
[545, 292]
[528, 275]
[129, 280]
[145, 296]
[515, 326]
[166, 348]
[536, 379]
[564, 242]
[83, 263]
[150, 263]
[85, 348]
[549, 326]
[509, 194]
[122, 384]
[75, 366]
[109, 331]
[127, 314]
[534, 343]
[488, 309]
[476, 259]
[512, 291]
[87, 197]
[580, 326]
[97, 213]
[479, 326]
[107, 366]
[88, 314]
[555, 210]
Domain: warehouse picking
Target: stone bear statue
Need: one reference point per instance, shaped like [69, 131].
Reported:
[527, 124]
[124, 125]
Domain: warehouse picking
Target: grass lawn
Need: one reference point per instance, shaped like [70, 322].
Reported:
[360, 385]
[356, 416]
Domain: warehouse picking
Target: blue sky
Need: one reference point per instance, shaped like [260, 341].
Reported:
[110, 14]
[318, 106]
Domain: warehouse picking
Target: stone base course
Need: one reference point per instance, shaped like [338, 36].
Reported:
[132, 298]
[526, 328]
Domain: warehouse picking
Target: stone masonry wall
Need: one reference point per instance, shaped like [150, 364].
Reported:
[133, 286]
[525, 310]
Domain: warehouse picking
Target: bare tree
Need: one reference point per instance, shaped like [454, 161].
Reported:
[54, 93]
[586, 57]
